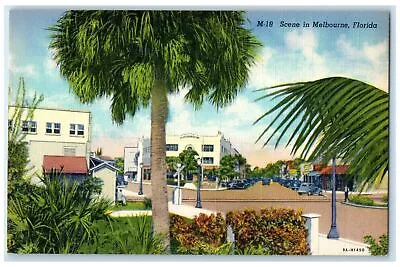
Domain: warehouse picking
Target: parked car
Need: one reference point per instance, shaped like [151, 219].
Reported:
[309, 189]
[266, 181]
[295, 185]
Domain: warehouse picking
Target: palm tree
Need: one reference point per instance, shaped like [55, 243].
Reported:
[138, 57]
[334, 117]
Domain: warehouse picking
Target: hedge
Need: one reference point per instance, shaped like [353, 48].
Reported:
[362, 200]
[280, 231]
[266, 232]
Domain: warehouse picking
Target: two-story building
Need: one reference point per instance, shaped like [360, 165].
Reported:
[211, 148]
[54, 136]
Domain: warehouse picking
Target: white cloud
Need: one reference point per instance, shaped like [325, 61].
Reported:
[50, 65]
[306, 42]
[259, 76]
[367, 62]
[28, 70]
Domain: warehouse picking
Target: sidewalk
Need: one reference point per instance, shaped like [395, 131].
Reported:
[182, 210]
[341, 247]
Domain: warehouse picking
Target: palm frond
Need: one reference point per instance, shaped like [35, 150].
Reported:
[330, 117]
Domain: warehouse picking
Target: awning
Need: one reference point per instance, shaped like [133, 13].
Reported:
[68, 164]
[340, 169]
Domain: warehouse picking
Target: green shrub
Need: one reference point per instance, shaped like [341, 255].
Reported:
[377, 249]
[55, 218]
[361, 200]
[147, 203]
[272, 231]
[124, 235]
[385, 198]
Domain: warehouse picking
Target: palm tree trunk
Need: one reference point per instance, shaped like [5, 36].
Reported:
[159, 108]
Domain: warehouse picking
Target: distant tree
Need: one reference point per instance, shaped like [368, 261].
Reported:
[241, 164]
[99, 152]
[227, 167]
[171, 163]
[119, 164]
[188, 158]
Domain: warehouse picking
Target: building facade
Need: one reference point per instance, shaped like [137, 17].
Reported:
[211, 148]
[54, 132]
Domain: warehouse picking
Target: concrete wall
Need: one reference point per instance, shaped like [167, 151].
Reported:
[108, 177]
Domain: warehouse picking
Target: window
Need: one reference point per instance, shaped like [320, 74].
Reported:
[57, 128]
[76, 129]
[207, 148]
[29, 126]
[81, 129]
[172, 147]
[53, 128]
[208, 160]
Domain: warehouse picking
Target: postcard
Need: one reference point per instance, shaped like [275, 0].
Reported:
[199, 132]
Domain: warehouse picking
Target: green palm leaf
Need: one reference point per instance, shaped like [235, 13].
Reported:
[330, 117]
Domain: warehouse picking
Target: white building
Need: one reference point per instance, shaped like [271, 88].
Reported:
[55, 132]
[211, 148]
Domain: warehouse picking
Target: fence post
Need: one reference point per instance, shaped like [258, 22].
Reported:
[230, 237]
[312, 225]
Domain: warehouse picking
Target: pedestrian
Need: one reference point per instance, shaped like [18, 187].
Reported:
[346, 193]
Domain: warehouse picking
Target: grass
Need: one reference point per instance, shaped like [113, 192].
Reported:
[130, 205]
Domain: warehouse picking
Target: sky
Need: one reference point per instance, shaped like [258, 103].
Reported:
[287, 55]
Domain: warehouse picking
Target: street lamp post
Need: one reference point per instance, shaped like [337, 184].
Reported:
[333, 233]
[198, 202]
[141, 180]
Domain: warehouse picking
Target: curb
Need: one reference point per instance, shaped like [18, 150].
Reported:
[364, 206]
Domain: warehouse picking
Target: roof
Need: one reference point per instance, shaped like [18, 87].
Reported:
[340, 169]
[68, 164]
[103, 165]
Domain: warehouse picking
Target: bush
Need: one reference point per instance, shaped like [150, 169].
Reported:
[203, 235]
[55, 218]
[377, 249]
[272, 231]
[361, 200]
[385, 198]
[147, 203]
[124, 235]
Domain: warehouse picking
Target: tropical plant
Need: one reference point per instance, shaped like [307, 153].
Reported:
[188, 158]
[55, 217]
[124, 235]
[138, 56]
[334, 117]
[18, 153]
[380, 248]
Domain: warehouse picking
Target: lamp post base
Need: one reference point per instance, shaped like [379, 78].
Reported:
[140, 193]
[198, 205]
[333, 233]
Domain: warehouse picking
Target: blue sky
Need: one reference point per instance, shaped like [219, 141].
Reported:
[288, 54]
